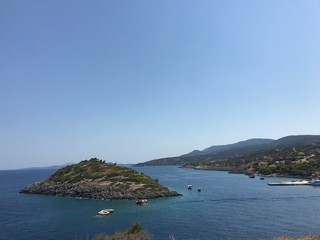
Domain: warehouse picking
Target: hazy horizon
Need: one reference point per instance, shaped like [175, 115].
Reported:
[131, 81]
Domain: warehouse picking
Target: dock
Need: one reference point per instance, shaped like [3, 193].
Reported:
[292, 183]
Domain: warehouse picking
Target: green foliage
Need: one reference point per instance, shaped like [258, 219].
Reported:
[135, 232]
[301, 160]
[303, 238]
[135, 228]
[99, 171]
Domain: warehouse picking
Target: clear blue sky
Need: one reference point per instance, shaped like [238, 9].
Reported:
[130, 81]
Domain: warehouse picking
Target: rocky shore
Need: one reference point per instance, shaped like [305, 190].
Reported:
[95, 179]
[94, 191]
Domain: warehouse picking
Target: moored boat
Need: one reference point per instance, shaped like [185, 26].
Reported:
[315, 182]
[142, 201]
[105, 212]
[189, 186]
[199, 189]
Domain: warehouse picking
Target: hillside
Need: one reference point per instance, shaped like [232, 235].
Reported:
[213, 152]
[297, 156]
[238, 145]
[95, 179]
[242, 148]
[296, 160]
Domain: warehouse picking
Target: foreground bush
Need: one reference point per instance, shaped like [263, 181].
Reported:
[135, 232]
[303, 238]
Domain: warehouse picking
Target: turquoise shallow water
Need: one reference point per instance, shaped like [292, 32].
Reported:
[230, 206]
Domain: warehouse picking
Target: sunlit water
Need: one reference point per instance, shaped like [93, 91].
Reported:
[230, 206]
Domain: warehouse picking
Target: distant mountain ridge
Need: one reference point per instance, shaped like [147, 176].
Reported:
[234, 150]
[241, 144]
[48, 167]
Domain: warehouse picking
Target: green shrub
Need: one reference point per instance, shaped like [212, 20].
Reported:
[135, 228]
[135, 232]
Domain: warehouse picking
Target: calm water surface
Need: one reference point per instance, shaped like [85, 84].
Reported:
[230, 206]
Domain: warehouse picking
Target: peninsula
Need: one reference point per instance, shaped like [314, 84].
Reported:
[96, 179]
[290, 156]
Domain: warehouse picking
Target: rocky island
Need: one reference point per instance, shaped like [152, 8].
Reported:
[96, 179]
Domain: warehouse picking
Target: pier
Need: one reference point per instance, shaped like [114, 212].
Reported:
[292, 183]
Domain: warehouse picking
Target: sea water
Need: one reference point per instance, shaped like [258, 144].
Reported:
[230, 206]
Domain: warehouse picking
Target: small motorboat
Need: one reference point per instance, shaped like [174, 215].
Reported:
[261, 178]
[189, 186]
[105, 212]
[315, 182]
[199, 189]
[252, 176]
[142, 201]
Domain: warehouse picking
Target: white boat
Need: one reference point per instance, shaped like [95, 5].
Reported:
[189, 186]
[315, 182]
[142, 201]
[105, 212]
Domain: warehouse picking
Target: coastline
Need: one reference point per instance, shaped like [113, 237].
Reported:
[244, 172]
[95, 191]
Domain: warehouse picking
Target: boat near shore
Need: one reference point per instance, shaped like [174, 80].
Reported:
[292, 183]
[315, 182]
[142, 201]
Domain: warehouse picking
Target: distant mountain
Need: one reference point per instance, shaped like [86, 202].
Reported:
[233, 150]
[297, 139]
[238, 145]
[49, 167]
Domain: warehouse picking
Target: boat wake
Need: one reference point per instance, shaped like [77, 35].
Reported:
[223, 200]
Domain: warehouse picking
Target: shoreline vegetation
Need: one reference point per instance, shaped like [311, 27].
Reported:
[96, 179]
[136, 232]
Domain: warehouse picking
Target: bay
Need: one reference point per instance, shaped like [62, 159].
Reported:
[230, 206]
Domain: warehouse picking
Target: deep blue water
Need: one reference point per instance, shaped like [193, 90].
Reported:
[230, 206]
